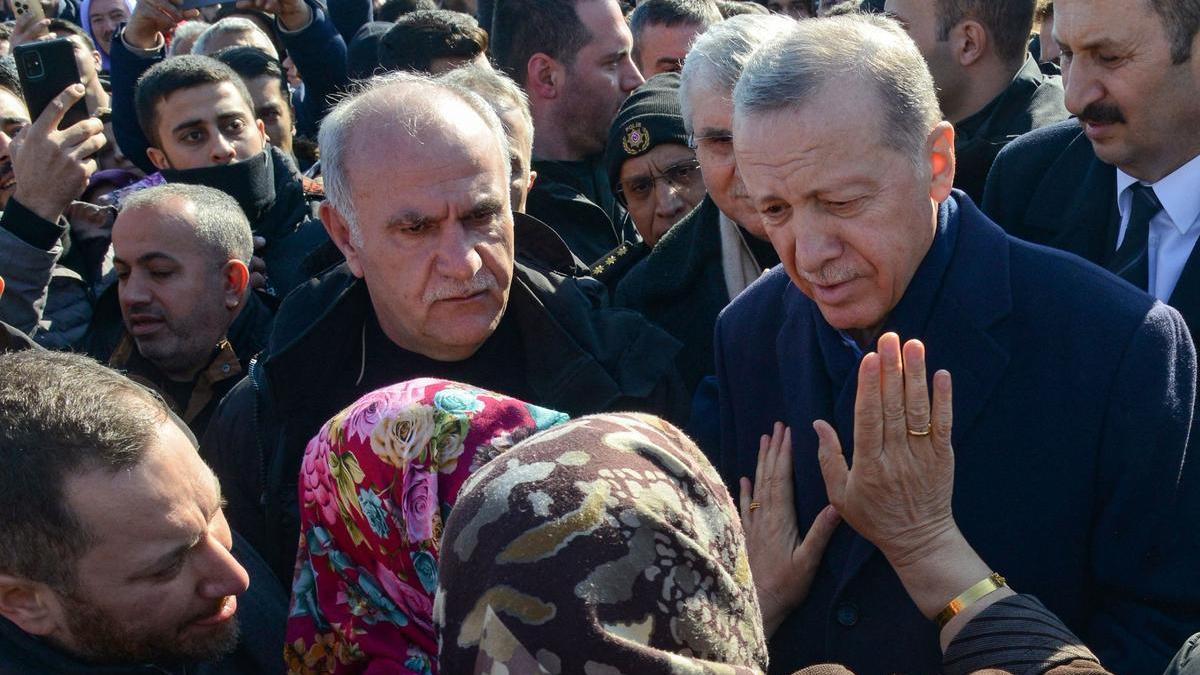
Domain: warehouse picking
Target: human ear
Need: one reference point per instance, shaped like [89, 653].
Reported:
[940, 150]
[542, 76]
[236, 276]
[338, 229]
[971, 42]
[27, 604]
[158, 158]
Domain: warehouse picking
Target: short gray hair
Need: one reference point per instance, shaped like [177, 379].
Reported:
[219, 224]
[797, 66]
[229, 25]
[717, 58]
[186, 34]
[409, 100]
[493, 86]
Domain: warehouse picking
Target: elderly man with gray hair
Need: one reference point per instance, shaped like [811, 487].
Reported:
[188, 321]
[441, 279]
[1073, 392]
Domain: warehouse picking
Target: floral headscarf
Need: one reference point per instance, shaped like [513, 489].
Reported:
[376, 484]
[606, 545]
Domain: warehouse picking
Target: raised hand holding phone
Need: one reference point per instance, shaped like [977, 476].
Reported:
[52, 165]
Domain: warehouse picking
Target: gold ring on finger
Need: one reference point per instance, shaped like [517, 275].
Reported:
[920, 432]
[755, 505]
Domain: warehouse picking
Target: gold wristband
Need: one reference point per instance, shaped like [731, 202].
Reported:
[968, 598]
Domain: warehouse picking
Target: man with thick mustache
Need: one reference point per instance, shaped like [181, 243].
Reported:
[1120, 186]
[1073, 391]
[441, 279]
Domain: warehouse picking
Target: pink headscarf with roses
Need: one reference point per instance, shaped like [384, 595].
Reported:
[376, 484]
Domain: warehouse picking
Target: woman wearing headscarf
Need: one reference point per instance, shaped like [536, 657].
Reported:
[609, 545]
[606, 545]
[376, 484]
[101, 18]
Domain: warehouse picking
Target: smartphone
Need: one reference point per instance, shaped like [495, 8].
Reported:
[33, 8]
[46, 68]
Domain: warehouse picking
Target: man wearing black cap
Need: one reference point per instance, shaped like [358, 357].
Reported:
[676, 277]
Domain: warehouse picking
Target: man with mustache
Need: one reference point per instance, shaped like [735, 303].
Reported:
[115, 556]
[441, 279]
[1073, 391]
[1120, 186]
[190, 321]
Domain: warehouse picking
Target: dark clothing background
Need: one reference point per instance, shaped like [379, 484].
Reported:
[1073, 398]
[1033, 100]
[581, 355]
[1050, 188]
[680, 285]
[574, 198]
[262, 615]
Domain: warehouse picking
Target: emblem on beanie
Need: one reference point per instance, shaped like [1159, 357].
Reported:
[636, 139]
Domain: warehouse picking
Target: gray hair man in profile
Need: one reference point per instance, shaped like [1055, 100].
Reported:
[1073, 392]
[663, 30]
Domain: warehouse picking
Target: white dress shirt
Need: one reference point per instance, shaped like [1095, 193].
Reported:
[1174, 231]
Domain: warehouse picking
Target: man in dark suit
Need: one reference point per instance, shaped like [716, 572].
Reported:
[1073, 392]
[1120, 186]
[989, 85]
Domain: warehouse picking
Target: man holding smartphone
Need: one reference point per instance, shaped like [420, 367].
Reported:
[50, 168]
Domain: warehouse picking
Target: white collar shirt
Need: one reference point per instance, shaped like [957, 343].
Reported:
[1173, 231]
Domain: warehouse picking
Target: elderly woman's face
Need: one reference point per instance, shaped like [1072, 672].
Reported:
[660, 187]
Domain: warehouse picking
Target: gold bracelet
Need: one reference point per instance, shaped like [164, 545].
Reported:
[968, 598]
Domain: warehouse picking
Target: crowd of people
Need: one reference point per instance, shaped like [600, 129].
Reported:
[592, 336]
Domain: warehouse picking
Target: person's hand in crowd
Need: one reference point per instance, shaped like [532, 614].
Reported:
[292, 14]
[28, 29]
[258, 266]
[51, 165]
[898, 495]
[783, 564]
[153, 18]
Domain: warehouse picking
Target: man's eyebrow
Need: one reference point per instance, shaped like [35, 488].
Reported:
[155, 256]
[165, 560]
[13, 120]
[708, 132]
[187, 124]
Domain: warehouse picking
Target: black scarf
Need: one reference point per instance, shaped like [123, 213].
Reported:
[251, 182]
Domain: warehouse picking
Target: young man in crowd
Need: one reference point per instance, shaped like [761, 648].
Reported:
[573, 59]
[115, 556]
[989, 85]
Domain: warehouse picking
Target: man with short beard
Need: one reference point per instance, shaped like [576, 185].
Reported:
[189, 323]
[115, 556]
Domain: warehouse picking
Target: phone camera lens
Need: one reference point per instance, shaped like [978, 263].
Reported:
[33, 65]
